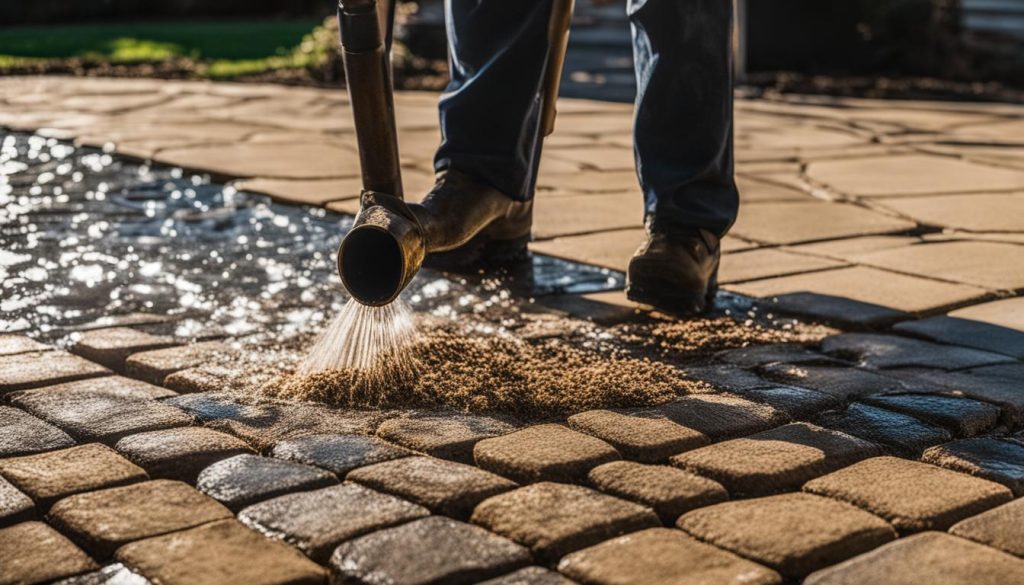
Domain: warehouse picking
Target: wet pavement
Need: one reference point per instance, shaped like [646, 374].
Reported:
[801, 454]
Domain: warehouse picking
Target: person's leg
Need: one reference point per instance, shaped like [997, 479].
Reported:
[490, 111]
[683, 128]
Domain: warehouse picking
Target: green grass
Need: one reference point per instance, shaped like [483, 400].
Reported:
[228, 48]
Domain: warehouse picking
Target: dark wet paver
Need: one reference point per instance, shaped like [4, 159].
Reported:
[967, 333]
[669, 491]
[640, 438]
[245, 479]
[48, 477]
[338, 454]
[892, 351]
[22, 433]
[899, 433]
[961, 416]
[760, 355]
[662, 555]
[431, 550]
[841, 383]
[993, 459]
[179, 453]
[795, 534]
[444, 435]
[1001, 527]
[798, 403]
[548, 452]
[36, 553]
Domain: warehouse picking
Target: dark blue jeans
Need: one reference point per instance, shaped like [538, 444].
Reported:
[490, 111]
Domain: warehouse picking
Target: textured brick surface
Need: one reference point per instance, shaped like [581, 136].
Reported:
[220, 553]
[116, 386]
[31, 370]
[1003, 392]
[961, 416]
[529, 576]
[103, 520]
[35, 553]
[759, 355]
[12, 344]
[100, 416]
[669, 491]
[317, 521]
[842, 383]
[778, 460]
[662, 555]
[891, 351]
[931, 557]
[650, 440]
[444, 435]
[792, 533]
[547, 452]
[445, 487]
[797, 403]
[22, 433]
[993, 459]
[48, 477]
[556, 519]
[338, 453]
[911, 495]
[900, 433]
[179, 453]
[1001, 527]
[431, 550]
[155, 365]
[968, 332]
[15, 506]
[246, 479]
[111, 346]
[720, 416]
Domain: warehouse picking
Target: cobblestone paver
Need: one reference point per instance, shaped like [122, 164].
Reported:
[897, 220]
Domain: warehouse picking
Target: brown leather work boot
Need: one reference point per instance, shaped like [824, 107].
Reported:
[675, 270]
[469, 225]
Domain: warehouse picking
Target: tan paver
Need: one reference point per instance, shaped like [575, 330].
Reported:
[36, 553]
[22, 433]
[912, 175]
[669, 491]
[1001, 527]
[795, 534]
[180, 453]
[769, 262]
[611, 249]
[650, 440]
[220, 553]
[932, 557]
[912, 496]
[976, 213]
[154, 366]
[583, 214]
[991, 265]
[719, 416]
[315, 159]
[662, 555]
[445, 435]
[777, 460]
[111, 346]
[34, 369]
[12, 344]
[791, 222]
[555, 519]
[547, 452]
[15, 507]
[1008, 313]
[48, 477]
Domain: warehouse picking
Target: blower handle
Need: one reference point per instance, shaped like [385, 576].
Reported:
[558, 39]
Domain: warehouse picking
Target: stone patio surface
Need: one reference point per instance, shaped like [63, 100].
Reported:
[889, 454]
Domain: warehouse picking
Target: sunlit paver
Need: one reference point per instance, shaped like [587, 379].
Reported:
[667, 490]
[48, 477]
[36, 553]
[719, 416]
[22, 433]
[891, 351]
[640, 438]
[179, 453]
[548, 452]
[155, 365]
[994, 459]
[15, 506]
[444, 435]
[338, 454]
[110, 347]
[246, 479]
[1001, 527]
[34, 369]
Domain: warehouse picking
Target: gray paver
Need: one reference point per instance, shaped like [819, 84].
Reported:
[179, 453]
[431, 550]
[22, 433]
[650, 440]
[795, 534]
[555, 519]
[892, 351]
[155, 365]
[246, 479]
[547, 452]
[669, 491]
[1002, 392]
[36, 553]
[798, 403]
[339, 454]
[1001, 527]
[842, 383]
[898, 432]
[993, 459]
[319, 520]
[48, 477]
[961, 416]
[529, 576]
[444, 435]
[34, 369]
[662, 555]
[912, 496]
[759, 355]
[968, 333]
[15, 506]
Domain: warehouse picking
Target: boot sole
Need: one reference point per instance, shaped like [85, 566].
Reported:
[683, 304]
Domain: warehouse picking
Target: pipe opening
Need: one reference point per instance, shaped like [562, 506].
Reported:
[371, 265]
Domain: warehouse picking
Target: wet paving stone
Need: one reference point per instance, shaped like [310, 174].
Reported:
[180, 453]
[338, 454]
[219, 553]
[35, 553]
[103, 520]
[431, 550]
[841, 310]
[12, 344]
[111, 347]
[932, 557]
[154, 366]
[719, 416]
[31, 370]
[444, 435]
[243, 480]
[1003, 392]
[778, 460]
[48, 477]
[22, 433]
[968, 333]
[662, 555]
[911, 495]
[547, 452]
[98, 415]
[15, 506]
[113, 574]
[787, 353]
[797, 403]
[900, 433]
[317, 521]
[993, 459]
[875, 350]
[266, 424]
[1001, 527]
[669, 491]
[529, 576]
[445, 487]
[961, 416]
[726, 377]
[649, 440]
[794, 534]
[842, 383]
[555, 519]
